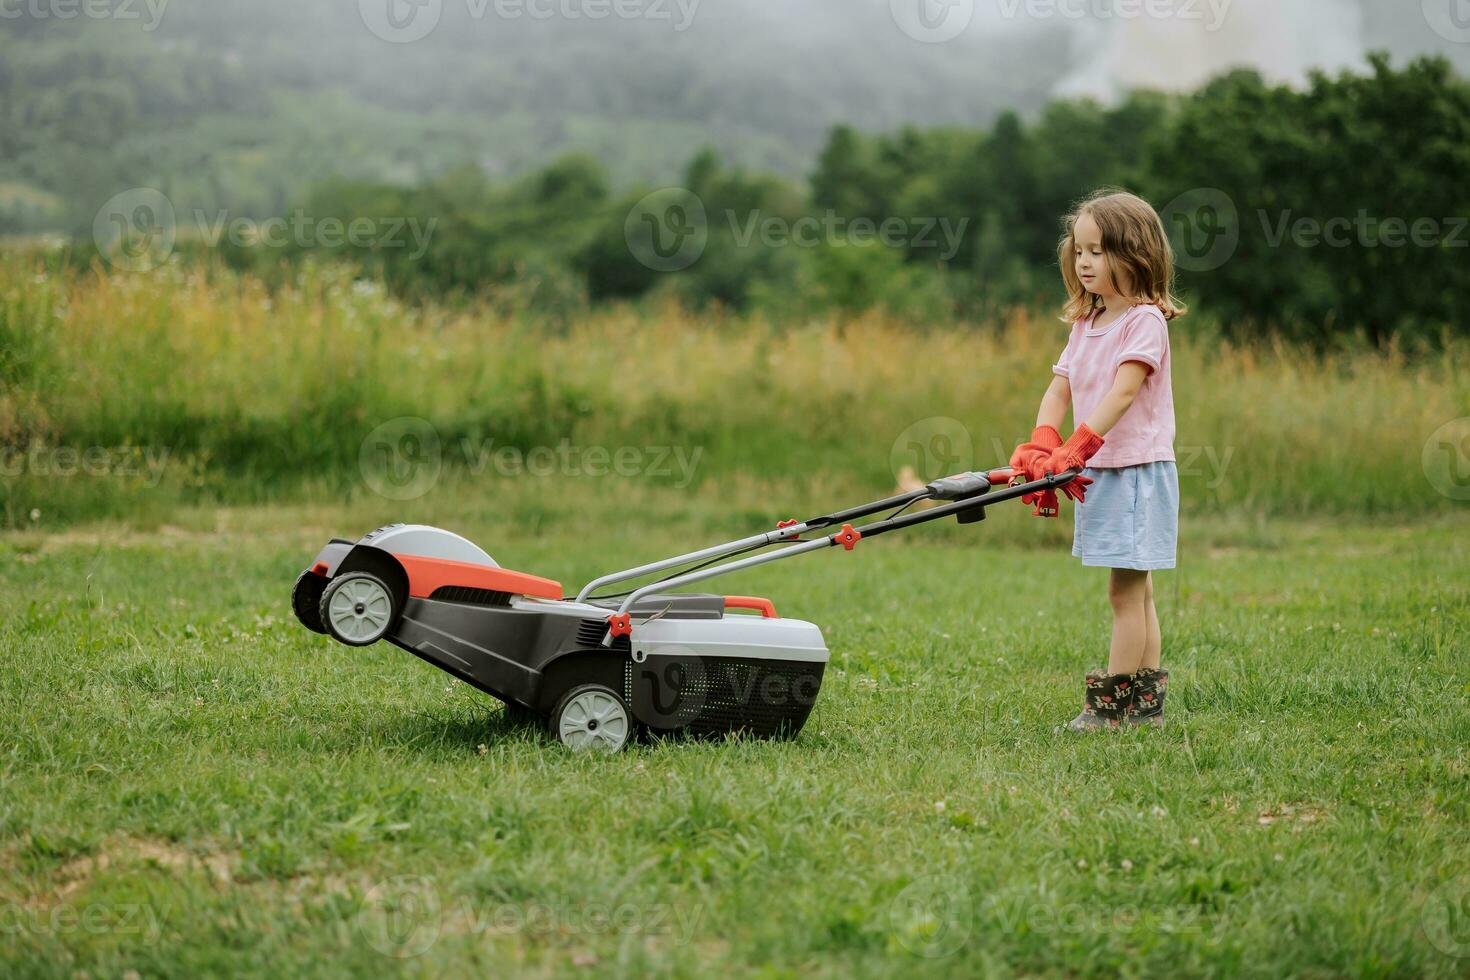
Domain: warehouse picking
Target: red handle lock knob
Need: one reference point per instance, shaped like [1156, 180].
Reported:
[848, 537]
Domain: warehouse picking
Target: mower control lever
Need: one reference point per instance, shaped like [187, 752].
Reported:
[964, 485]
[959, 486]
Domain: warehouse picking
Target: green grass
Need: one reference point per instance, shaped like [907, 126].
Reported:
[190, 783]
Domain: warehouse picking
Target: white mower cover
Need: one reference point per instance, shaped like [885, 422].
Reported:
[423, 541]
[738, 636]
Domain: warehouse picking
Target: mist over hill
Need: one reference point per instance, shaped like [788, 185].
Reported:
[242, 106]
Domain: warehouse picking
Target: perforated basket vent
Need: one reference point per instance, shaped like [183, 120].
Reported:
[715, 695]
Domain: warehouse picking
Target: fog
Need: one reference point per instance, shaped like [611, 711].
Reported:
[1285, 41]
[734, 65]
[253, 103]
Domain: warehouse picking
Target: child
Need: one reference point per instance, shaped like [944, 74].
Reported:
[1118, 270]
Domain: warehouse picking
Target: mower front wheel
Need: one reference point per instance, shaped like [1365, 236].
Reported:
[594, 717]
[358, 609]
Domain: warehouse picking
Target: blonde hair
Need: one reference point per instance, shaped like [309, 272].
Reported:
[1133, 238]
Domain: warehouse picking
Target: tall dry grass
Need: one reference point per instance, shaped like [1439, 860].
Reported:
[260, 394]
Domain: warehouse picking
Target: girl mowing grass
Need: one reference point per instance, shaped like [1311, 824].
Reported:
[1114, 372]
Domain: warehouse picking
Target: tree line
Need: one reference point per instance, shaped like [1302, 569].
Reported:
[1309, 213]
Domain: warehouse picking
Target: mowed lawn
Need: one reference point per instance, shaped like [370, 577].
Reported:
[190, 783]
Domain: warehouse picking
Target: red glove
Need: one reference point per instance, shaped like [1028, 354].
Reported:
[1073, 455]
[1029, 457]
[1045, 501]
[1077, 488]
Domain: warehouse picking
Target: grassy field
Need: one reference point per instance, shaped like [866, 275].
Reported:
[190, 783]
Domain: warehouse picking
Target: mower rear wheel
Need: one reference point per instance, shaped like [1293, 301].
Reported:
[358, 609]
[306, 600]
[593, 717]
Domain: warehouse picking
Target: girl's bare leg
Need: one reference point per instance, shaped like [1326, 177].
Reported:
[1153, 646]
[1128, 593]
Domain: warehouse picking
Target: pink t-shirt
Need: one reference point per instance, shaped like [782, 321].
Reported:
[1145, 433]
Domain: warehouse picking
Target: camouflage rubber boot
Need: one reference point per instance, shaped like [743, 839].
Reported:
[1147, 708]
[1108, 697]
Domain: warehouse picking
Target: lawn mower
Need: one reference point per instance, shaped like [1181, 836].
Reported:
[601, 668]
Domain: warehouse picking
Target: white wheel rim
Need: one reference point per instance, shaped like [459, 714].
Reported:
[594, 720]
[360, 609]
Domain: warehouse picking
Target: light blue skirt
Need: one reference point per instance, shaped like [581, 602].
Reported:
[1130, 518]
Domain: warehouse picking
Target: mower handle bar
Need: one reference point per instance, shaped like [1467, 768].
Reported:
[962, 492]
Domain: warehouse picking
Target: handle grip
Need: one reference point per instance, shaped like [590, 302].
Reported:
[766, 606]
[1005, 475]
[962, 486]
